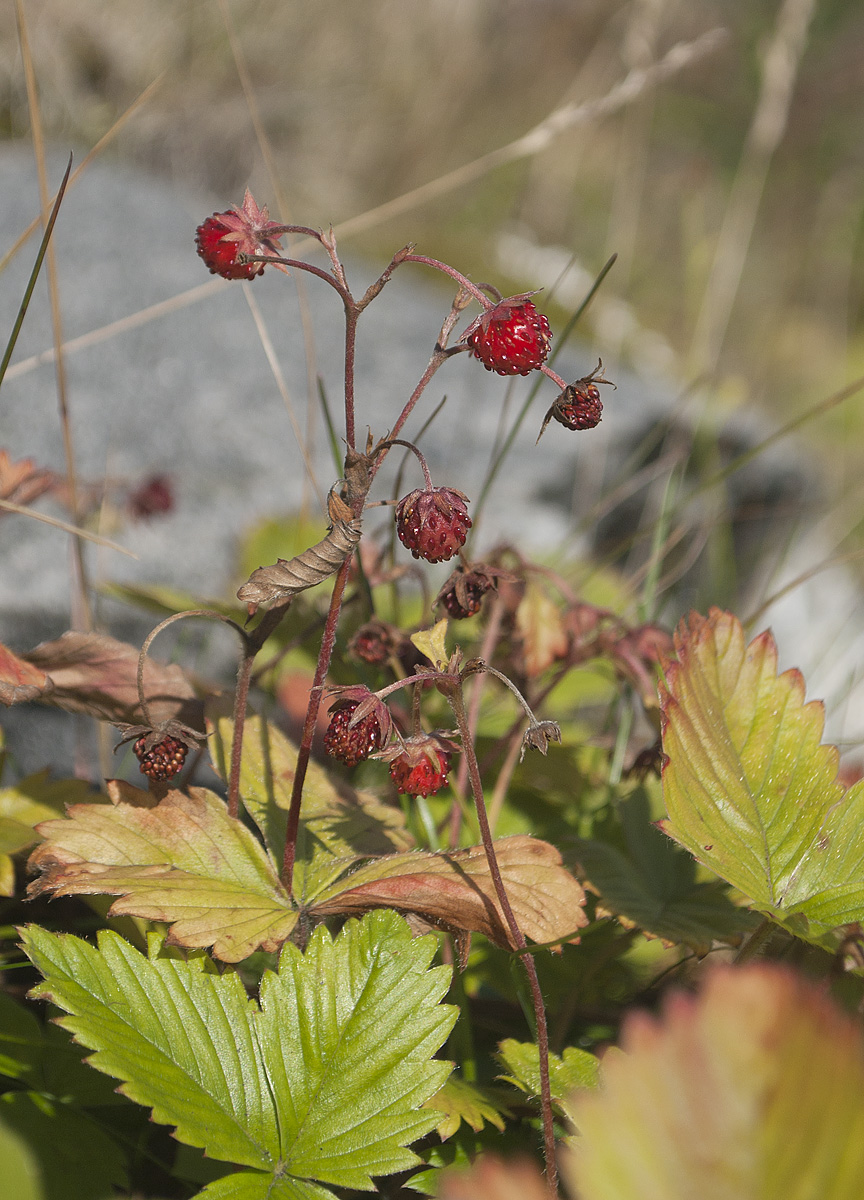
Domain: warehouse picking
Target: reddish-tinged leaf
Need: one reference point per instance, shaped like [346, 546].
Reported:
[185, 862]
[96, 674]
[754, 1090]
[454, 890]
[20, 681]
[491, 1179]
[748, 787]
[544, 638]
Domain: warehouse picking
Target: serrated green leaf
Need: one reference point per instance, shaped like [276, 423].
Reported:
[754, 1090]
[263, 1187]
[184, 861]
[324, 1081]
[748, 787]
[648, 882]
[461, 1101]
[337, 823]
[573, 1070]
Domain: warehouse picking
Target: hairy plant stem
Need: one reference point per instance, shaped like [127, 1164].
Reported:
[455, 698]
[327, 642]
[351, 314]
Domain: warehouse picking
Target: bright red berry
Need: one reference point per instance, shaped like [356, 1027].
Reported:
[246, 230]
[433, 523]
[360, 724]
[512, 338]
[421, 766]
[162, 761]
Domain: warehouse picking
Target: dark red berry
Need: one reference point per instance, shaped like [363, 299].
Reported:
[579, 406]
[433, 523]
[374, 643]
[244, 230]
[162, 761]
[360, 724]
[154, 497]
[349, 743]
[512, 338]
[462, 594]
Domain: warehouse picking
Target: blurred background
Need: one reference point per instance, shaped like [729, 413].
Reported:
[731, 189]
[756, 149]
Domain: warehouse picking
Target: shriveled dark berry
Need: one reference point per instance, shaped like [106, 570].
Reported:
[579, 406]
[349, 743]
[162, 761]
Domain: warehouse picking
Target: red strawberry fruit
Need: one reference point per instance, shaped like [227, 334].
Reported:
[511, 338]
[420, 766]
[579, 406]
[433, 523]
[245, 230]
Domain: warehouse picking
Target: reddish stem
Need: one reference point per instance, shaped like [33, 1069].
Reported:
[305, 750]
[455, 698]
[454, 274]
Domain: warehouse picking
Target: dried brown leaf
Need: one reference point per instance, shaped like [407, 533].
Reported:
[96, 674]
[20, 681]
[454, 890]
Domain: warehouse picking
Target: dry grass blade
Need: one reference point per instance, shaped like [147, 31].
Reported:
[779, 72]
[23, 511]
[81, 591]
[84, 164]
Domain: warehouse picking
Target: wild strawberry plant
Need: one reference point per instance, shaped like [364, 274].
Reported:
[286, 975]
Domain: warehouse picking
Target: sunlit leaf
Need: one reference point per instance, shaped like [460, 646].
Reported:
[337, 822]
[184, 861]
[455, 891]
[461, 1101]
[568, 1072]
[754, 1090]
[748, 787]
[324, 1079]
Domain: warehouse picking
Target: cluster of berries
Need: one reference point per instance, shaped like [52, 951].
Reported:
[361, 726]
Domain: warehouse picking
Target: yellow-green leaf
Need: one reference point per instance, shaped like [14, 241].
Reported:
[750, 790]
[754, 1090]
[184, 861]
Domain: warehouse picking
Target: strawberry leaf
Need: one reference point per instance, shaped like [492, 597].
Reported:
[648, 882]
[455, 891]
[322, 1080]
[184, 861]
[749, 789]
[754, 1090]
[337, 823]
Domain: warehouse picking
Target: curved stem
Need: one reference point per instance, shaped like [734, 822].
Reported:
[556, 378]
[148, 641]
[454, 274]
[423, 464]
[457, 704]
[298, 265]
